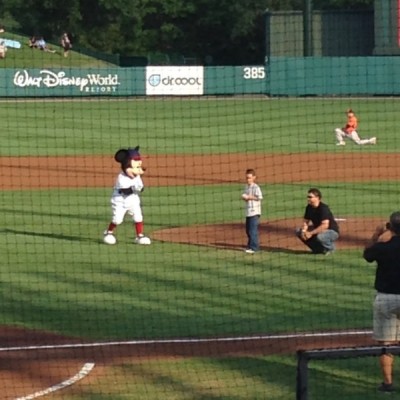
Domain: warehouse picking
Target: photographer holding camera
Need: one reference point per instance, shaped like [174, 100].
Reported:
[384, 248]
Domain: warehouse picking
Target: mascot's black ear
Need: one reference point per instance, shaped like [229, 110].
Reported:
[121, 156]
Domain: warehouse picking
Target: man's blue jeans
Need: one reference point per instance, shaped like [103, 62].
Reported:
[252, 232]
[321, 243]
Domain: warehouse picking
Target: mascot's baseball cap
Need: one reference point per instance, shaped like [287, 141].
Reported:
[395, 222]
[134, 154]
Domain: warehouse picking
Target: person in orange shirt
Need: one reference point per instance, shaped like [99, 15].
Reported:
[350, 131]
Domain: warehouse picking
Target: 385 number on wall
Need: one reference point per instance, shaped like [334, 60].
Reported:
[254, 72]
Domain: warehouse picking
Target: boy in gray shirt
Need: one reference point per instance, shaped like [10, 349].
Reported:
[252, 195]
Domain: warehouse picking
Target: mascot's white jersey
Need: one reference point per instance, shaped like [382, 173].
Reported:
[125, 182]
[125, 198]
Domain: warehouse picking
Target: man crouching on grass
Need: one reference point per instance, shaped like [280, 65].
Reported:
[384, 248]
[320, 229]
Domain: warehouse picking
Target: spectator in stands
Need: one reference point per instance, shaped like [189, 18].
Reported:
[38, 42]
[42, 45]
[384, 248]
[66, 43]
[3, 49]
[32, 42]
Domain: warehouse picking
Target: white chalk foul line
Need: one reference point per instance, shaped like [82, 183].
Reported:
[192, 340]
[80, 375]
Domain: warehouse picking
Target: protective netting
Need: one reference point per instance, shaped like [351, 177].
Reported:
[190, 315]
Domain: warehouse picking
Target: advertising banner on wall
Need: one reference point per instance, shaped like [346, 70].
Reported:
[72, 82]
[174, 80]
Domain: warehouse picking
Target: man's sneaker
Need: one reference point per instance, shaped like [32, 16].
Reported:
[341, 144]
[373, 140]
[386, 388]
[249, 251]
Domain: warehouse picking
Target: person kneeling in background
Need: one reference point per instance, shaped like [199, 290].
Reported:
[349, 131]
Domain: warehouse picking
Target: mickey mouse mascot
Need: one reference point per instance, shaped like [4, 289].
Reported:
[126, 195]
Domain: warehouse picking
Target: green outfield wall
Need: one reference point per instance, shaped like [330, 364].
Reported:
[235, 80]
[280, 76]
[331, 76]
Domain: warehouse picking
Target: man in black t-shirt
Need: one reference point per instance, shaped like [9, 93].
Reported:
[384, 248]
[320, 230]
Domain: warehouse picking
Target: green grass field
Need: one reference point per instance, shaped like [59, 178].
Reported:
[58, 276]
[236, 378]
[74, 127]
[186, 289]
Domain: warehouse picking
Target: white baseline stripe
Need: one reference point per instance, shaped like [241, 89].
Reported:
[192, 340]
[80, 375]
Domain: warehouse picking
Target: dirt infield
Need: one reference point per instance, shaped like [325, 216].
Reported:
[275, 235]
[27, 173]
[26, 371]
